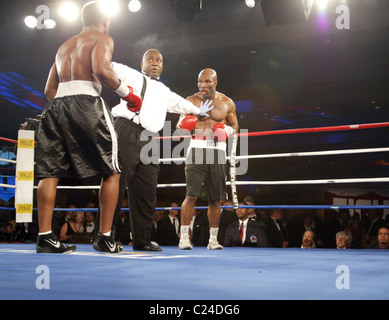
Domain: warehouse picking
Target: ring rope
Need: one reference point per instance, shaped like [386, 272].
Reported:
[8, 140]
[265, 183]
[277, 132]
[295, 154]
[285, 207]
[301, 130]
[7, 160]
[263, 133]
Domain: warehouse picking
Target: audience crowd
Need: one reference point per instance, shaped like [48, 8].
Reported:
[243, 227]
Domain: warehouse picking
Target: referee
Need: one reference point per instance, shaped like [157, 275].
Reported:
[135, 130]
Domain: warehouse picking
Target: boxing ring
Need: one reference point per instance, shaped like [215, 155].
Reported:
[232, 274]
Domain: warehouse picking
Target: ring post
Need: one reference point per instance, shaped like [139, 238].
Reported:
[24, 182]
[233, 171]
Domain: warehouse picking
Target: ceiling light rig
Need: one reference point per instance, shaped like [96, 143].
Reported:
[134, 5]
[250, 3]
[185, 9]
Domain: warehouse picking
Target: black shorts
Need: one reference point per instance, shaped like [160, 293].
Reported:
[76, 139]
[206, 168]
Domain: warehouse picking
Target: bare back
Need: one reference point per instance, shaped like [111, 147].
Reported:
[74, 57]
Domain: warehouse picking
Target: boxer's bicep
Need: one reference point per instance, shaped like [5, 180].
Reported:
[101, 63]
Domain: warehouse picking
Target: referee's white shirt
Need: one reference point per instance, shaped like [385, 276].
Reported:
[158, 100]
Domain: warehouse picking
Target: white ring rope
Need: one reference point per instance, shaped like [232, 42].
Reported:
[294, 154]
[233, 157]
[7, 160]
[265, 183]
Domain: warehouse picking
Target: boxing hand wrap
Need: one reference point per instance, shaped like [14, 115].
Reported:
[221, 132]
[188, 123]
[134, 102]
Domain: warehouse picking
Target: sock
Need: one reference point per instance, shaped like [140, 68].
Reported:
[213, 233]
[44, 233]
[184, 231]
[107, 234]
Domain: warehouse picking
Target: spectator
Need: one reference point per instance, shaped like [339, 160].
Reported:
[89, 218]
[338, 222]
[251, 211]
[383, 238]
[74, 225]
[262, 215]
[342, 240]
[308, 241]
[157, 217]
[5, 166]
[200, 236]
[306, 223]
[227, 217]
[123, 228]
[7, 230]
[245, 232]
[358, 234]
[275, 232]
[376, 221]
[168, 228]
[64, 218]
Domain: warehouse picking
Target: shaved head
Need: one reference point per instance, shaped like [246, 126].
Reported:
[208, 73]
[207, 82]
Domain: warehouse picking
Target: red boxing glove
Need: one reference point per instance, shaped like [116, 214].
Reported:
[134, 102]
[221, 132]
[188, 123]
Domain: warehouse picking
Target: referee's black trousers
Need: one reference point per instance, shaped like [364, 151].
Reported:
[140, 170]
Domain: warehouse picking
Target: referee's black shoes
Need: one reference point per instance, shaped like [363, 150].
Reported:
[149, 247]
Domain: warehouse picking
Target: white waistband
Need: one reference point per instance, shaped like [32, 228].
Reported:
[77, 87]
[207, 144]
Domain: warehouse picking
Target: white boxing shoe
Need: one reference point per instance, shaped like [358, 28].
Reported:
[214, 245]
[185, 244]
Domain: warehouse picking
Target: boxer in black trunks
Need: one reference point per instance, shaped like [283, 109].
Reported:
[210, 144]
[77, 137]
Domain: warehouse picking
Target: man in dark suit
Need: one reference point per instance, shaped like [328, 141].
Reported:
[168, 228]
[245, 232]
[227, 217]
[275, 231]
[376, 222]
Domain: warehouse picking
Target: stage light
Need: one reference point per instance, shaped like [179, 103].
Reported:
[30, 22]
[322, 4]
[111, 7]
[69, 11]
[250, 3]
[50, 24]
[134, 5]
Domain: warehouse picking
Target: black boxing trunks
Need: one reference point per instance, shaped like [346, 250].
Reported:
[76, 138]
[206, 168]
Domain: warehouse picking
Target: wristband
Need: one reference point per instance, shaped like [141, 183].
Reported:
[122, 90]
